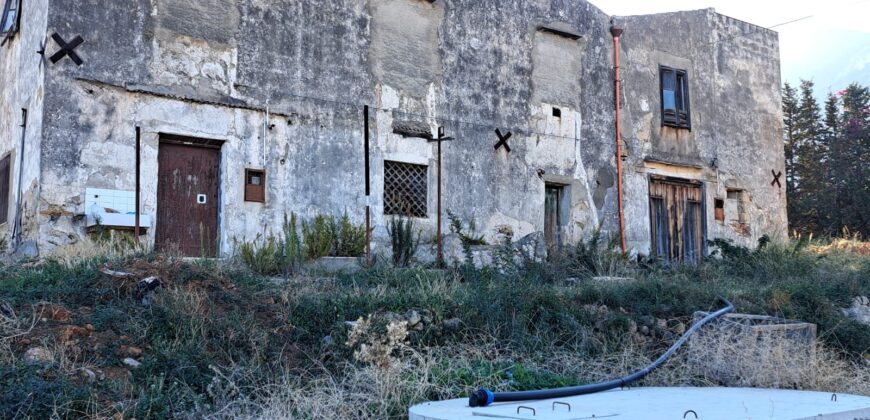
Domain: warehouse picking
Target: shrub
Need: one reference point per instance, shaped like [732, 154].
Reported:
[350, 240]
[328, 236]
[403, 239]
[263, 254]
[318, 236]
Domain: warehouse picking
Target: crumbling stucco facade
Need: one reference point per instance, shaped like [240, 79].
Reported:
[280, 86]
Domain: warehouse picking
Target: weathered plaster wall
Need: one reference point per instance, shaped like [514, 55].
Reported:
[21, 87]
[734, 89]
[213, 68]
[468, 67]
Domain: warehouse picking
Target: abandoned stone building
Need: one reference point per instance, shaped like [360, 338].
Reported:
[246, 110]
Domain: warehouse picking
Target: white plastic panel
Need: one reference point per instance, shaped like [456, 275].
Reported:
[112, 208]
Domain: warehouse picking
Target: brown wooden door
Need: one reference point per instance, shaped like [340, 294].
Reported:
[187, 199]
[676, 220]
[552, 222]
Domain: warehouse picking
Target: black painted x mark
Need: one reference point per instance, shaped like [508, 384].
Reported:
[776, 176]
[66, 49]
[502, 140]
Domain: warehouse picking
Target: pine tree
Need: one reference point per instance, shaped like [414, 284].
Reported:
[808, 192]
[853, 160]
[789, 113]
[828, 159]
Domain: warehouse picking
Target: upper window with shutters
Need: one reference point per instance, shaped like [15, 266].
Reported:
[675, 98]
[11, 17]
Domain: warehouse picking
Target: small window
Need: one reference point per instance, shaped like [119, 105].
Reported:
[719, 209]
[405, 189]
[675, 98]
[738, 205]
[5, 166]
[557, 112]
[10, 17]
[255, 185]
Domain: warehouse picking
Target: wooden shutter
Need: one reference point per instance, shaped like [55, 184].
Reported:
[682, 94]
[5, 171]
[668, 87]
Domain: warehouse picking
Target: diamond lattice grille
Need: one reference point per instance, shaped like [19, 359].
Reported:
[405, 189]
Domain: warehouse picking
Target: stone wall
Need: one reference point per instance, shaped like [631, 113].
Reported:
[736, 136]
[283, 84]
[21, 87]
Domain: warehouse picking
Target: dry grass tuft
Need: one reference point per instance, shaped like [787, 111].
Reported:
[89, 249]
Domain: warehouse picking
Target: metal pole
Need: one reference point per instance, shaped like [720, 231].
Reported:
[368, 185]
[138, 186]
[440, 242]
[16, 229]
[616, 32]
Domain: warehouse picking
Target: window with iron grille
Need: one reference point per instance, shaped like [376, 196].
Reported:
[675, 98]
[405, 189]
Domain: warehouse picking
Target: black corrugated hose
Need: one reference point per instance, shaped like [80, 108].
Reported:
[484, 397]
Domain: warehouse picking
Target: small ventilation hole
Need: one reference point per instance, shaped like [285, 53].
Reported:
[557, 112]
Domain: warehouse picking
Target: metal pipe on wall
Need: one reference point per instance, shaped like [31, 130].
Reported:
[368, 184]
[138, 181]
[616, 31]
[16, 228]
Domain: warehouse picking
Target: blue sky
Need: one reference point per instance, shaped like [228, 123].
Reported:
[831, 48]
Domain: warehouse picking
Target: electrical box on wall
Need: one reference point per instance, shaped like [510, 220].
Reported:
[255, 185]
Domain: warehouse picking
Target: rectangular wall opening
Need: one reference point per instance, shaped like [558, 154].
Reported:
[554, 217]
[677, 219]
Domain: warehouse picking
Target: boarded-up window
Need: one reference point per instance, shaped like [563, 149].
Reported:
[405, 189]
[557, 68]
[5, 171]
[736, 206]
[676, 220]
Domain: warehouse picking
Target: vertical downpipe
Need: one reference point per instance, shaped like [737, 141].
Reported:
[138, 181]
[16, 229]
[440, 222]
[616, 31]
[368, 185]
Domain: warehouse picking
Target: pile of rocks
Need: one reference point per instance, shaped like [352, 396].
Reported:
[859, 311]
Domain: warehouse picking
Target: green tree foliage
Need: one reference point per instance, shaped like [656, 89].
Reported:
[827, 159]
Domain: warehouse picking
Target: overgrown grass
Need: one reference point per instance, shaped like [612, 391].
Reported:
[219, 340]
[285, 252]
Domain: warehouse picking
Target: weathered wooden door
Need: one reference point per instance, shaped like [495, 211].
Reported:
[187, 199]
[552, 223]
[676, 220]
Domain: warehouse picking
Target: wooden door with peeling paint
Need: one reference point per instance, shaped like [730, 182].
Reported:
[676, 220]
[552, 221]
[187, 198]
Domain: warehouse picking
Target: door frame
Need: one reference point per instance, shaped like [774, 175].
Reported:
[702, 186]
[561, 216]
[190, 141]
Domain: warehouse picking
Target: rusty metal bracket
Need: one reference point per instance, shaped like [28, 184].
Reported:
[776, 176]
[502, 140]
[67, 49]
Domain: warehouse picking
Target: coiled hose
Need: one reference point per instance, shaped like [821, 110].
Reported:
[484, 397]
